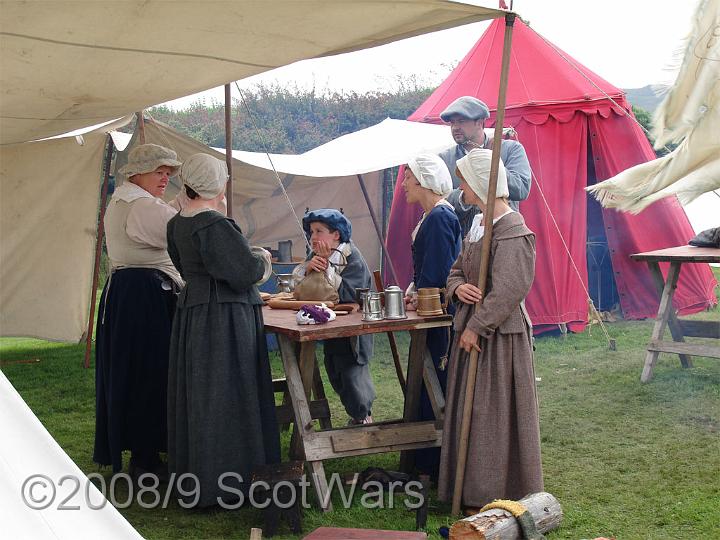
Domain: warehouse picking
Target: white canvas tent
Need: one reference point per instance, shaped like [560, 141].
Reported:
[68, 64]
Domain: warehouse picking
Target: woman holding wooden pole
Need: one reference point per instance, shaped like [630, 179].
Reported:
[503, 456]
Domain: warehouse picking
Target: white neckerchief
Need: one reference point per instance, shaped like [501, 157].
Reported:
[417, 227]
[130, 192]
[337, 257]
[477, 229]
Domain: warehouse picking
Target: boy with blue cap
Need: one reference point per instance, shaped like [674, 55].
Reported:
[346, 359]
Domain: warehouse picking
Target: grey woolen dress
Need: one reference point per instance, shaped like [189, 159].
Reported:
[221, 409]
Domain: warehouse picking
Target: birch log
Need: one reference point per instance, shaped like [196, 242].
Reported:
[501, 525]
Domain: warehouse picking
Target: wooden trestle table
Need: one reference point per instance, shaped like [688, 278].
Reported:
[297, 348]
[679, 329]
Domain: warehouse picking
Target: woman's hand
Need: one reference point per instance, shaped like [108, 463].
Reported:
[317, 263]
[469, 341]
[468, 294]
[411, 302]
[322, 249]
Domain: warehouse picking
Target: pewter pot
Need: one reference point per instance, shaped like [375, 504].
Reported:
[394, 303]
[372, 307]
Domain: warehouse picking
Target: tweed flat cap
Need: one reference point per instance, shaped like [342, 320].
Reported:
[467, 107]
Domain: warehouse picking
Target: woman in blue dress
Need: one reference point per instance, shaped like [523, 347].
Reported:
[436, 243]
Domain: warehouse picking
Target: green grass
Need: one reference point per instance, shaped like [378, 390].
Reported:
[624, 459]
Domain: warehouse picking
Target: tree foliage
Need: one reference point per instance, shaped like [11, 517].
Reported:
[290, 120]
[645, 119]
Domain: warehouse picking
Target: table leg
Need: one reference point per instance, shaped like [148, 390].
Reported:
[307, 370]
[317, 471]
[299, 397]
[434, 390]
[673, 324]
[319, 392]
[665, 312]
[416, 364]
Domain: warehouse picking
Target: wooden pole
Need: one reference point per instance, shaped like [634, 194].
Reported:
[228, 150]
[485, 253]
[98, 250]
[140, 126]
[377, 228]
[391, 338]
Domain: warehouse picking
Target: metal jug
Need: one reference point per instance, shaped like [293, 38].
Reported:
[285, 283]
[372, 307]
[394, 303]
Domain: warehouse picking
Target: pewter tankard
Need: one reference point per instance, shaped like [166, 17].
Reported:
[372, 307]
[394, 303]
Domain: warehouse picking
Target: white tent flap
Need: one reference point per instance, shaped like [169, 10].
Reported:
[690, 111]
[49, 195]
[32, 493]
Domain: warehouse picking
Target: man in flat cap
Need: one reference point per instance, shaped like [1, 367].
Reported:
[466, 117]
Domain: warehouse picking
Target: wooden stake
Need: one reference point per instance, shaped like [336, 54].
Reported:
[228, 151]
[485, 253]
[391, 338]
[391, 267]
[98, 250]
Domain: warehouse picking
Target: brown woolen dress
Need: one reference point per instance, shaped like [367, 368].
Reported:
[504, 443]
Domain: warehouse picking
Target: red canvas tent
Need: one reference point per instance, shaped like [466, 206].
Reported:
[577, 129]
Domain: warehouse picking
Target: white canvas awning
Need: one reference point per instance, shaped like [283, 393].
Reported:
[67, 64]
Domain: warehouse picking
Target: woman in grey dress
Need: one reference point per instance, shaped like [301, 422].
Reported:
[221, 409]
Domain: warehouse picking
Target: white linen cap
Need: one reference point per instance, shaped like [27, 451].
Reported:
[475, 169]
[432, 173]
[205, 174]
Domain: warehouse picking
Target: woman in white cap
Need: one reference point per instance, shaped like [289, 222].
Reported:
[436, 243]
[135, 316]
[221, 408]
[504, 444]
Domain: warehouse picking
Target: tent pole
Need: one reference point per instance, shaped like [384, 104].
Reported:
[141, 126]
[98, 250]
[482, 279]
[386, 178]
[377, 228]
[228, 150]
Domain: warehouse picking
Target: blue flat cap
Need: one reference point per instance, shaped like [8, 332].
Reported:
[467, 107]
[334, 219]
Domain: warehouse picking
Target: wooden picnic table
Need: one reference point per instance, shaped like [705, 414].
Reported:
[679, 329]
[297, 348]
